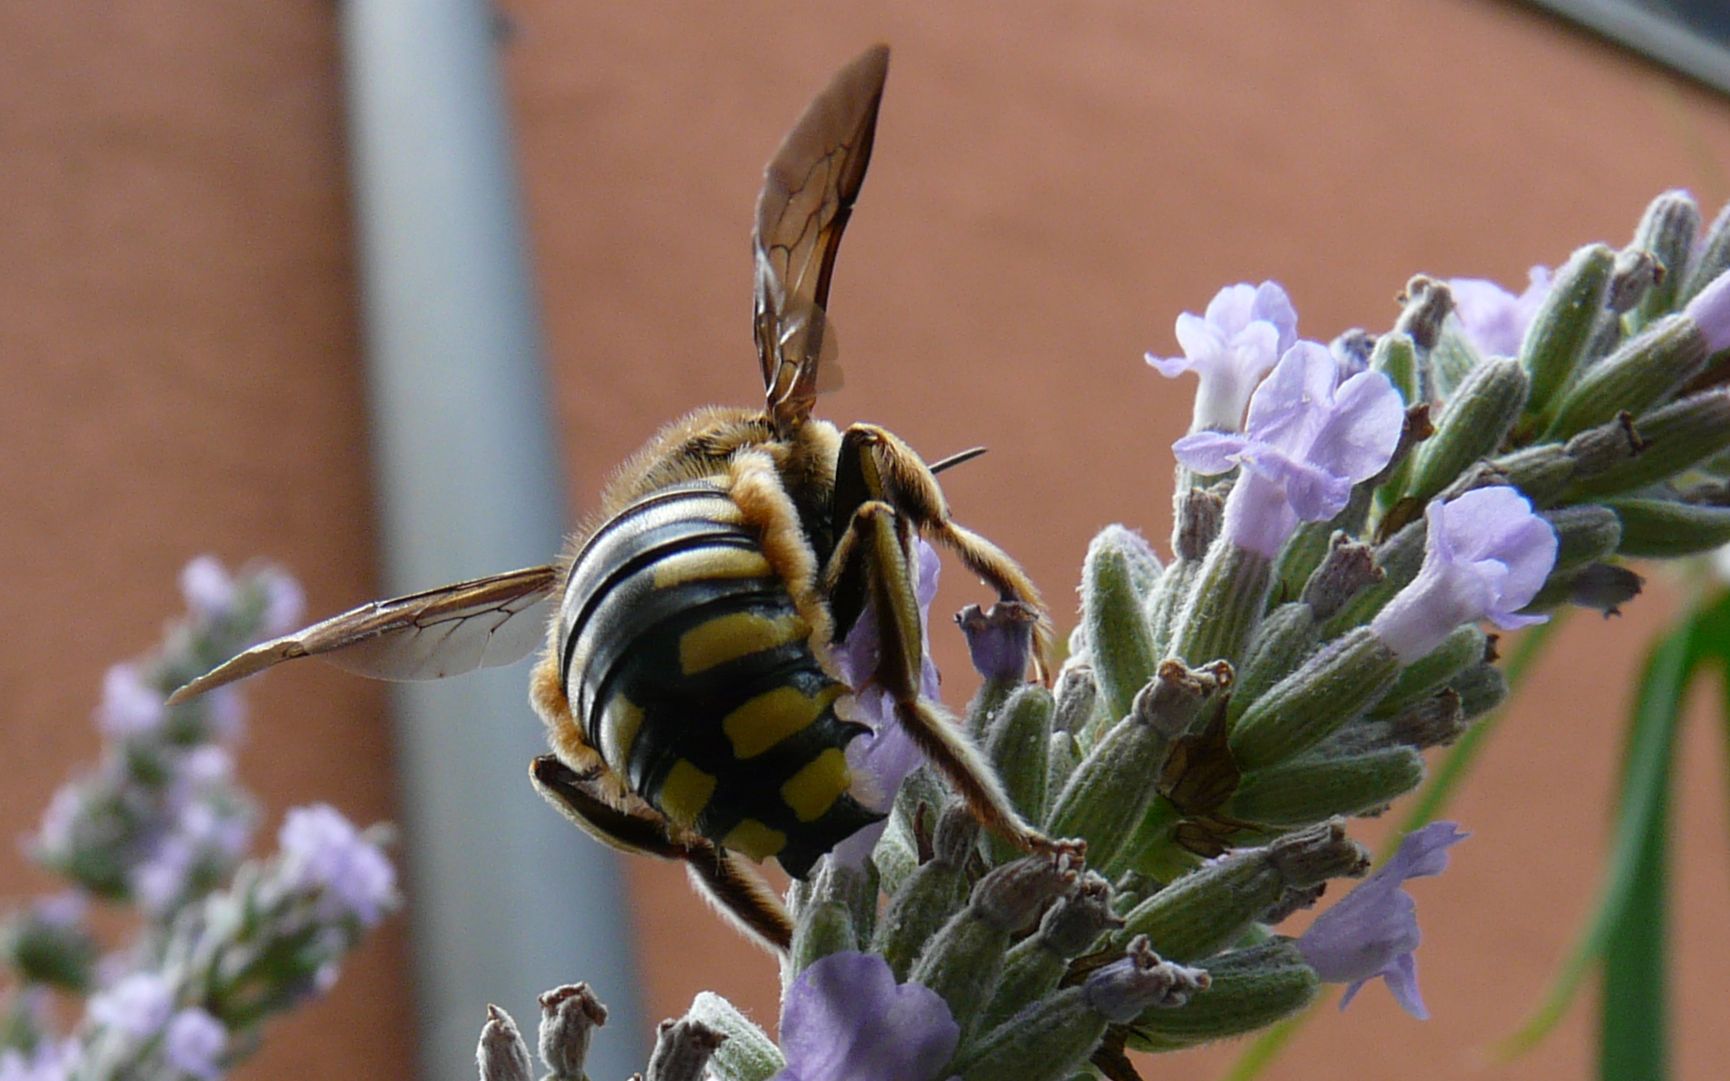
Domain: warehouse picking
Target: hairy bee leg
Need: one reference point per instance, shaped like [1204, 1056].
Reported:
[730, 884]
[879, 543]
[875, 464]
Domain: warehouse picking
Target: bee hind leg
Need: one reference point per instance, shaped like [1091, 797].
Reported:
[732, 885]
[875, 464]
[876, 549]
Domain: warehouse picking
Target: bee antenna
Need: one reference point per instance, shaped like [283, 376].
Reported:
[957, 459]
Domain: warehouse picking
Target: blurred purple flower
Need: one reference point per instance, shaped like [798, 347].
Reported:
[1246, 329]
[50, 1061]
[321, 850]
[882, 758]
[1373, 930]
[1494, 319]
[1308, 441]
[130, 705]
[845, 1019]
[208, 588]
[194, 1042]
[1487, 555]
[284, 601]
[64, 910]
[137, 1004]
[1710, 310]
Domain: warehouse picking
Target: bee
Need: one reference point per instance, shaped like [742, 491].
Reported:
[688, 682]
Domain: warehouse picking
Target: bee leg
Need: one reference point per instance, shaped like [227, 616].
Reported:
[876, 464]
[731, 884]
[879, 543]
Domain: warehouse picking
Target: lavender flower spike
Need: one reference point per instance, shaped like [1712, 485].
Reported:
[1486, 557]
[1495, 319]
[322, 851]
[1373, 930]
[1308, 441]
[1246, 329]
[845, 1019]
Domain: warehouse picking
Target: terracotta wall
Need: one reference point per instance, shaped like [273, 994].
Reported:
[1050, 189]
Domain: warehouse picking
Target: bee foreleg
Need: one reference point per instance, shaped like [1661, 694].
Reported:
[730, 884]
[874, 464]
[878, 542]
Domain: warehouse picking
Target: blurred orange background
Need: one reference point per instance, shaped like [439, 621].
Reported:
[1050, 188]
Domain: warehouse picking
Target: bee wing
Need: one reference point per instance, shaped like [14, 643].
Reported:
[428, 635]
[808, 193]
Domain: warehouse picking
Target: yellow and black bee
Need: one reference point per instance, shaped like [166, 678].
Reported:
[687, 684]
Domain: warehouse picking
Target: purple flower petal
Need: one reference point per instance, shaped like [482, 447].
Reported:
[845, 1019]
[1494, 319]
[138, 1005]
[1373, 931]
[322, 851]
[208, 588]
[194, 1043]
[1487, 556]
[1245, 330]
[1307, 444]
[130, 705]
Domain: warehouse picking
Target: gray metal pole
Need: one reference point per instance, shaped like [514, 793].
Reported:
[505, 898]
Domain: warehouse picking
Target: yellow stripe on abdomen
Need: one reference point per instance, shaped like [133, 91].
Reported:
[772, 716]
[685, 793]
[754, 839]
[737, 634]
[709, 563]
[817, 785]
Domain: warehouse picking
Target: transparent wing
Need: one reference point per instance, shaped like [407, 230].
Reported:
[428, 635]
[808, 194]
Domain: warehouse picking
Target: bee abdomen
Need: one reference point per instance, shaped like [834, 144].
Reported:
[693, 675]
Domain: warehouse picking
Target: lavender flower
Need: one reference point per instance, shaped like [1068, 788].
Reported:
[194, 1042]
[1710, 311]
[1495, 319]
[845, 1019]
[1373, 930]
[138, 1004]
[209, 590]
[49, 1061]
[323, 851]
[130, 705]
[999, 641]
[1308, 442]
[1246, 329]
[1487, 556]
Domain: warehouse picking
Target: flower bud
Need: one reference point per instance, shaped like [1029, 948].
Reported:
[1285, 638]
[1667, 230]
[1556, 341]
[1119, 640]
[1603, 587]
[1250, 989]
[1396, 357]
[683, 1049]
[1584, 534]
[1677, 437]
[1348, 568]
[1319, 785]
[1427, 302]
[1036, 964]
[1019, 746]
[569, 1017]
[1664, 528]
[1064, 756]
[1711, 260]
[1198, 513]
[1225, 604]
[1467, 645]
[1481, 688]
[1077, 692]
[824, 927]
[747, 1054]
[1333, 687]
[502, 1055]
[1647, 369]
[1107, 794]
[1052, 1039]
[964, 959]
[1211, 907]
[933, 891]
[1473, 425]
[1398, 558]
